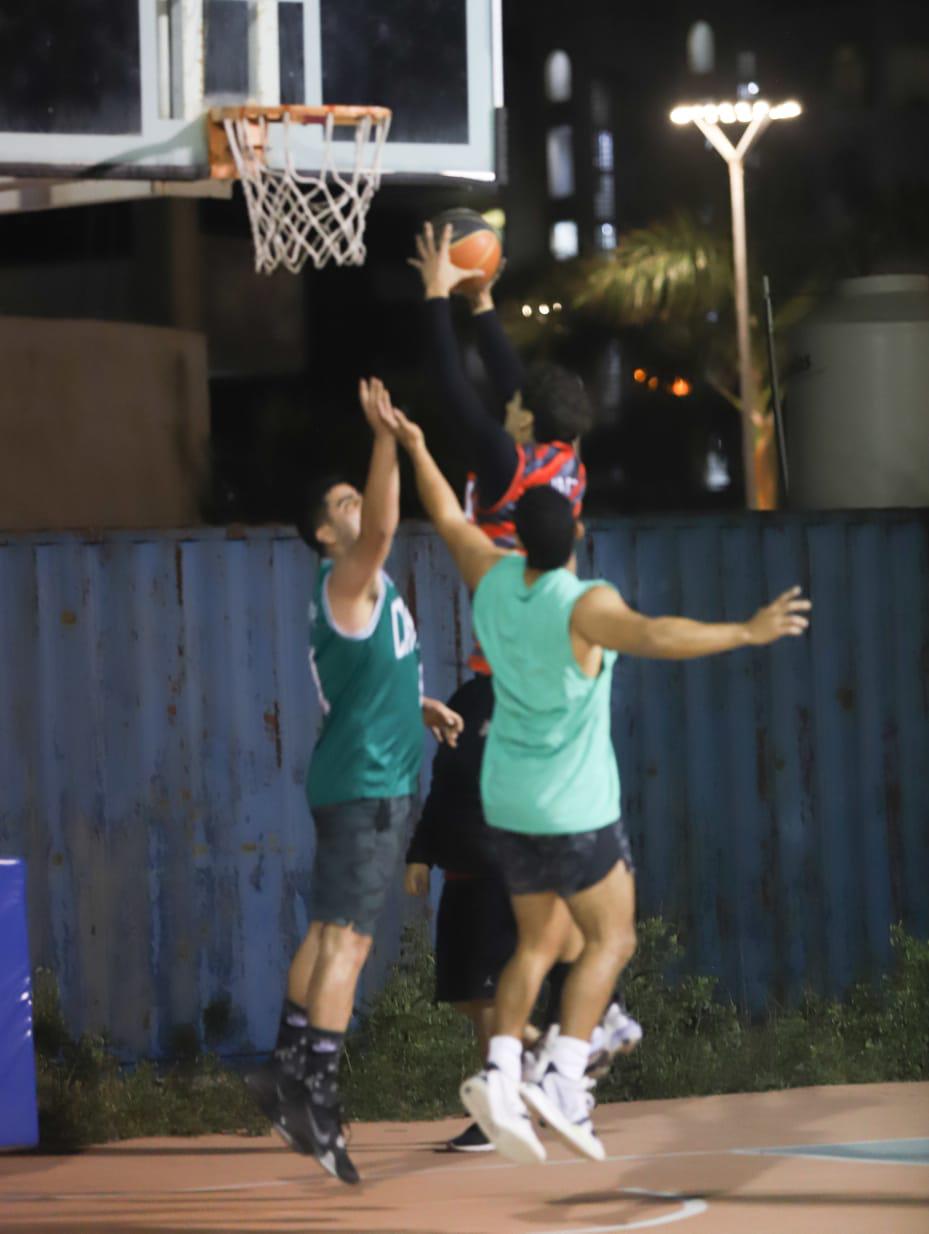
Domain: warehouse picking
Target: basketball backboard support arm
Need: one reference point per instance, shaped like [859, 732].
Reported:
[173, 59]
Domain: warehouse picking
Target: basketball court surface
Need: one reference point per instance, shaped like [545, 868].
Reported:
[849, 1160]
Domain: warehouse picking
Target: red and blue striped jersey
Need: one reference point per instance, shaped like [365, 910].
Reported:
[552, 463]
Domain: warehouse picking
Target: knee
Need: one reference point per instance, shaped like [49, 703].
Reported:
[618, 944]
[538, 955]
[625, 944]
[343, 945]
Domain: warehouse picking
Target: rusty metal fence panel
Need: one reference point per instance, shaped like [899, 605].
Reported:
[156, 716]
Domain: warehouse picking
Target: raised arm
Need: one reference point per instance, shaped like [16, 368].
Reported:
[354, 573]
[483, 442]
[501, 361]
[473, 552]
[602, 618]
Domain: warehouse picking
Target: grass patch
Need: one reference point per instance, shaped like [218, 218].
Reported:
[408, 1056]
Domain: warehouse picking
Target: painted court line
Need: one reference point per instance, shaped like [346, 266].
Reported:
[852, 1152]
[818, 1152]
[689, 1208]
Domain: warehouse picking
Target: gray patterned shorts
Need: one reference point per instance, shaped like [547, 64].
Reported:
[359, 849]
[563, 864]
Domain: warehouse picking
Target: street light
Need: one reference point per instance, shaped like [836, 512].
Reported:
[756, 116]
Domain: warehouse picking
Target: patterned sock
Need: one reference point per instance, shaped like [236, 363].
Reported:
[323, 1051]
[292, 1026]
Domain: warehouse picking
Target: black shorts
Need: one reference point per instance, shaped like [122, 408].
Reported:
[359, 850]
[564, 864]
[452, 822]
[475, 937]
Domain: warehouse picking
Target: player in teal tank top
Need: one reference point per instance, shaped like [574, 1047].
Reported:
[361, 786]
[370, 743]
[550, 785]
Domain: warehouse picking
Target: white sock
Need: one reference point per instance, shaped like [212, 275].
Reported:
[506, 1053]
[570, 1056]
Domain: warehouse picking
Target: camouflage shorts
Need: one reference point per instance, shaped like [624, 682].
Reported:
[359, 849]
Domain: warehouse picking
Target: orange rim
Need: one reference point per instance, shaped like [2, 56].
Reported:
[222, 163]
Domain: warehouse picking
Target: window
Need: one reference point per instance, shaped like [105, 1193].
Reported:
[605, 198]
[563, 239]
[701, 48]
[605, 237]
[600, 105]
[558, 77]
[603, 150]
[560, 156]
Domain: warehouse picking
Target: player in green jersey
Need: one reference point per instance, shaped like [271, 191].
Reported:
[550, 784]
[361, 786]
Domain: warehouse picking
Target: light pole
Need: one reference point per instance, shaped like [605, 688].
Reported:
[756, 116]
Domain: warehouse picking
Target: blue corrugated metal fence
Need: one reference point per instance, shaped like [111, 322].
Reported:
[156, 716]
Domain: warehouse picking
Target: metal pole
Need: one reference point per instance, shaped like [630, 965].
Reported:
[775, 388]
[743, 327]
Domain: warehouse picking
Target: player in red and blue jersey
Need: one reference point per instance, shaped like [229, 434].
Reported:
[528, 438]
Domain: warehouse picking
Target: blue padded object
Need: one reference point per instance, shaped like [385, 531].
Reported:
[19, 1120]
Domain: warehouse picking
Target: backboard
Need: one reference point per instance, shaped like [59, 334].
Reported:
[101, 92]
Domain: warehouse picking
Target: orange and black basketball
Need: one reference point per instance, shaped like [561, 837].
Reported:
[475, 245]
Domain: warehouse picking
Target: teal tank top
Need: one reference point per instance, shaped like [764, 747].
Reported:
[549, 767]
[369, 684]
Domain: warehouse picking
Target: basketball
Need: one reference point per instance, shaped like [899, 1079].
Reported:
[475, 245]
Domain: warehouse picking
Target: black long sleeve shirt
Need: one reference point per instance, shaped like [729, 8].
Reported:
[484, 444]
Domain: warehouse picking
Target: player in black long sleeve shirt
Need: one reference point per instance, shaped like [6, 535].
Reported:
[480, 438]
[527, 439]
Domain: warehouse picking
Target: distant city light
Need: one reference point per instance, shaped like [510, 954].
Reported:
[563, 239]
[527, 310]
[544, 310]
[742, 112]
[752, 87]
[556, 307]
[680, 387]
[653, 383]
[639, 374]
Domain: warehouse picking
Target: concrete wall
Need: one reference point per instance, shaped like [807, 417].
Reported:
[102, 424]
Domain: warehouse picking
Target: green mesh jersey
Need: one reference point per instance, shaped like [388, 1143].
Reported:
[549, 766]
[370, 743]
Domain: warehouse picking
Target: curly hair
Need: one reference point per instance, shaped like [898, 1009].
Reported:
[558, 401]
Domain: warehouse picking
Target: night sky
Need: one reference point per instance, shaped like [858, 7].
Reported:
[843, 191]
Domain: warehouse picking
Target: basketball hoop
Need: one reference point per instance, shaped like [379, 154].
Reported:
[295, 216]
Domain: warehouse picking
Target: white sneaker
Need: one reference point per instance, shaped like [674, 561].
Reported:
[493, 1100]
[566, 1106]
[617, 1033]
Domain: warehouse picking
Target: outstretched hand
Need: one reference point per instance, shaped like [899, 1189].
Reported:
[785, 618]
[445, 725]
[376, 405]
[410, 435]
[439, 273]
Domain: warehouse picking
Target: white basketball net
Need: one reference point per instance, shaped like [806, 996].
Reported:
[320, 216]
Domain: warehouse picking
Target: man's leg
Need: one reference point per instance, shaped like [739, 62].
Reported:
[301, 966]
[481, 1014]
[602, 905]
[605, 914]
[330, 994]
[542, 922]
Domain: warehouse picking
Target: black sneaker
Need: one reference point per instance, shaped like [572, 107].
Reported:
[272, 1089]
[471, 1140]
[311, 1121]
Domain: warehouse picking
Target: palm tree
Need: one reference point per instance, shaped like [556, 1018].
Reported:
[674, 277]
